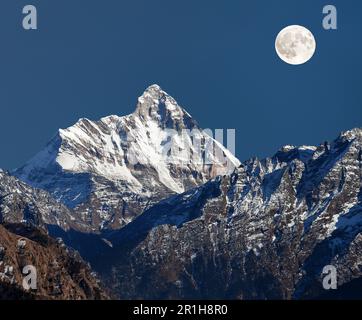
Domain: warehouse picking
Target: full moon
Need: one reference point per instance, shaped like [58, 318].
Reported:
[295, 45]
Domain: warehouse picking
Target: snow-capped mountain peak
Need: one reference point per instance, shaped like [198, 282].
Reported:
[155, 104]
[146, 154]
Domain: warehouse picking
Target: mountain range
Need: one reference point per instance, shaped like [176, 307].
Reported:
[157, 225]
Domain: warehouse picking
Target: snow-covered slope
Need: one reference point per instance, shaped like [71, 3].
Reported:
[110, 170]
[20, 203]
[264, 232]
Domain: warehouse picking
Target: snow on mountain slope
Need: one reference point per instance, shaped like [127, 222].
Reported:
[20, 203]
[264, 232]
[110, 170]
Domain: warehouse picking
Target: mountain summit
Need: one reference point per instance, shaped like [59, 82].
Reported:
[110, 170]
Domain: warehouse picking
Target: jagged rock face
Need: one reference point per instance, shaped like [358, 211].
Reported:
[264, 232]
[61, 273]
[110, 170]
[20, 203]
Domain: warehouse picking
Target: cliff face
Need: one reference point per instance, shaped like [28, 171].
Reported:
[61, 273]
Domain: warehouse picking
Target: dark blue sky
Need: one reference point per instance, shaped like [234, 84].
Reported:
[92, 58]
